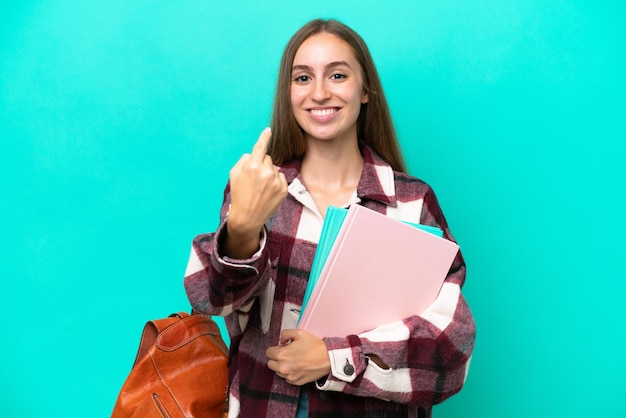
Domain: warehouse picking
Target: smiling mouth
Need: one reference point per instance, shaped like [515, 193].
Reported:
[323, 112]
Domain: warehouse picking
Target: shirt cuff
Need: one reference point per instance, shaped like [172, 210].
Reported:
[223, 263]
[347, 362]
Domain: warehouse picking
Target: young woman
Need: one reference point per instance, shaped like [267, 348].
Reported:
[332, 142]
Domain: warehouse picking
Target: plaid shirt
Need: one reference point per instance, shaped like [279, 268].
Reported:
[428, 355]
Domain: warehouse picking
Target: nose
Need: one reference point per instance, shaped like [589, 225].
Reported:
[320, 91]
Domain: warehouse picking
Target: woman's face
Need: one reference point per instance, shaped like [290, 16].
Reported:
[326, 88]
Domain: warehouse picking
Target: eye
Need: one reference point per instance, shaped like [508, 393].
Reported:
[302, 79]
[338, 76]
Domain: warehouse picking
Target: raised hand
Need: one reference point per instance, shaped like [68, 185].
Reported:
[257, 188]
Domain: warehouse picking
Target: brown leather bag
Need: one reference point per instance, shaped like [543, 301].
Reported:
[180, 371]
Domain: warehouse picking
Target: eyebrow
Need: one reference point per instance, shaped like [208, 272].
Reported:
[328, 66]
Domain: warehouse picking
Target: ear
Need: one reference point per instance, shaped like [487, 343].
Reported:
[364, 97]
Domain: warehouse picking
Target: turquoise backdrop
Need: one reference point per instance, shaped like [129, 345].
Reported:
[119, 121]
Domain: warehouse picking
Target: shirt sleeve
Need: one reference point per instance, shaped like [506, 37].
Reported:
[219, 285]
[425, 357]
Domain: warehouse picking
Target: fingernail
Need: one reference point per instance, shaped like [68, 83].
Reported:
[268, 129]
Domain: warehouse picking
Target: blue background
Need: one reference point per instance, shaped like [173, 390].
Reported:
[119, 121]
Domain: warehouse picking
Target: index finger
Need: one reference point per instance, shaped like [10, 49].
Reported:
[260, 147]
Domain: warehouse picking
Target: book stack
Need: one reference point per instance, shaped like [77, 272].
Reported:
[370, 270]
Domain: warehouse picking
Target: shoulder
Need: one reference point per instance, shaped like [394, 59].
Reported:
[409, 187]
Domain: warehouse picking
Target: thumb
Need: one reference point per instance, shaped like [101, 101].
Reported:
[288, 335]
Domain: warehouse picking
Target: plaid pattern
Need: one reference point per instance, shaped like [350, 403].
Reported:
[428, 355]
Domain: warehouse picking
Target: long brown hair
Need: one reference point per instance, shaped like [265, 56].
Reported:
[374, 125]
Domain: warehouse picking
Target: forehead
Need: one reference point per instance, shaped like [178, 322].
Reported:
[323, 48]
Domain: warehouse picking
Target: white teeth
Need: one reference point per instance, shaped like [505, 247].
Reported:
[322, 112]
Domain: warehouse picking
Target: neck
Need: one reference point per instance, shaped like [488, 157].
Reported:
[332, 166]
